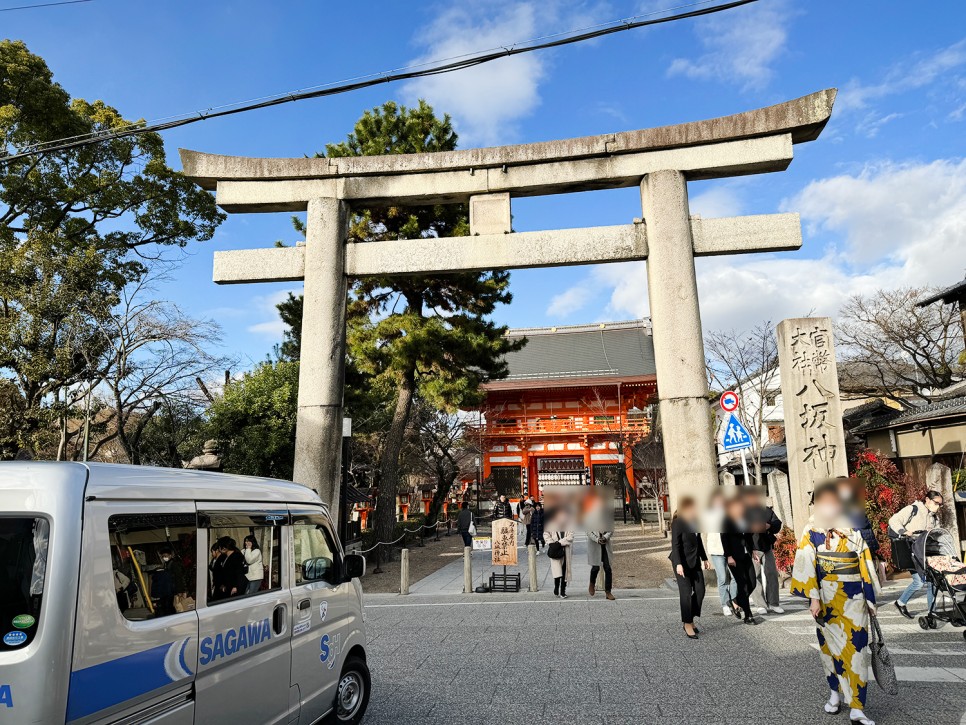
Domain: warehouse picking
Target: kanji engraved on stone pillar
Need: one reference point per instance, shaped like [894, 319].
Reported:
[814, 436]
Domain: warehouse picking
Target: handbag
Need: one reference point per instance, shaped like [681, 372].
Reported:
[902, 554]
[883, 668]
[555, 550]
[472, 530]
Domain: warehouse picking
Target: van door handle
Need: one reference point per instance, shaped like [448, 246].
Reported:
[278, 619]
[305, 604]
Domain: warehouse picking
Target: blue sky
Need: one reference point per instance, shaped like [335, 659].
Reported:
[882, 193]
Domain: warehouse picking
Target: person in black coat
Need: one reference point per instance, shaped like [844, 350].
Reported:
[502, 509]
[232, 581]
[536, 526]
[764, 527]
[738, 545]
[687, 556]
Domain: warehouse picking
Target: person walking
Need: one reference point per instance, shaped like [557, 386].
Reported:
[737, 546]
[600, 554]
[526, 518]
[688, 558]
[536, 526]
[255, 567]
[764, 526]
[502, 509]
[834, 571]
[713, 524]
[910, 521]
[561, 557]
[464, 521]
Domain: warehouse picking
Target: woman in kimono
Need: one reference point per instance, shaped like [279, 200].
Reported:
[834, 571]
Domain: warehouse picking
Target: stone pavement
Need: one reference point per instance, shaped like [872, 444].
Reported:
[532, 658]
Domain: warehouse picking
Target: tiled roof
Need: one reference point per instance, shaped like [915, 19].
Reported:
[950, 294]
[943, 408]
[604, 350]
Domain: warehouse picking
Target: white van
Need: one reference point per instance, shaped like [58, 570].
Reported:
[150, 595]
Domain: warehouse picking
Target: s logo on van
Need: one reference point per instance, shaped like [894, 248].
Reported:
[6, 696]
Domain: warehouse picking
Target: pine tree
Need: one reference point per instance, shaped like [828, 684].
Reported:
[429, 334]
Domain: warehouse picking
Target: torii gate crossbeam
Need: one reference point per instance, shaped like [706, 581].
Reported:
[660, 160]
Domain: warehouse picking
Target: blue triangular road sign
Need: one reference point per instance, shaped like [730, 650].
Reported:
[735, 436]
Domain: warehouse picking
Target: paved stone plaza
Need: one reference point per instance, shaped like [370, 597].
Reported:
[531, 658]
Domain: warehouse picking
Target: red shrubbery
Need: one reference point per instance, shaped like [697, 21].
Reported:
[887, 490]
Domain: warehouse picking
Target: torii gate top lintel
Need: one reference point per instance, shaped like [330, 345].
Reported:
[800, 120]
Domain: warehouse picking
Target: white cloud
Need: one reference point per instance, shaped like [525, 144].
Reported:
[718, 201]
[487, 101]
[569, 301]
[887, 226]
[917, 72]
[264, 306]
[740, 45]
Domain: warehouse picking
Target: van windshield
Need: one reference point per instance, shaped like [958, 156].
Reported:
[23, 568]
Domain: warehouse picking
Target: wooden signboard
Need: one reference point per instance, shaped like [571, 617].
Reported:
[504, 542]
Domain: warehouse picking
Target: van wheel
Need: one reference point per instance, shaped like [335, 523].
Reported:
[352, 694]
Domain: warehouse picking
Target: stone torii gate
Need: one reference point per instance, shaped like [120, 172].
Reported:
[659, 160]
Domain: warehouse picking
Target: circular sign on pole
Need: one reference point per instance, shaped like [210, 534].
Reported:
[729, 401]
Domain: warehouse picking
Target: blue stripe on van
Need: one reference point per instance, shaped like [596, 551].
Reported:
[110, 683]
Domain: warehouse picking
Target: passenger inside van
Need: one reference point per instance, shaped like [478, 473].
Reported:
[230, 581]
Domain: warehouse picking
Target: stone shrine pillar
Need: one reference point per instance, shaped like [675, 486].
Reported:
[687, 433]
[813, 410]
[318, 427]
[780, 494]
[940, 478]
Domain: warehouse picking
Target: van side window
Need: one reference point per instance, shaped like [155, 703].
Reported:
[316, 557]
[245, 553]
[153, 558]
[23, 572]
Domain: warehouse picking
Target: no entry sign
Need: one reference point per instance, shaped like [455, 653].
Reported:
[729, 401]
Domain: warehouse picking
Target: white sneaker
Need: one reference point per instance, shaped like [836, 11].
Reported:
[761, 610]
[726, 611]
[777, 610]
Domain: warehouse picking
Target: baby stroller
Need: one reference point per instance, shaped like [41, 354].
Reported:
[936, 557]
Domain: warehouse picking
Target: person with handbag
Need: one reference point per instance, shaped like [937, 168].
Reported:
[834, 571]
[909, 521]
[688, 558]
[559, 549]
[465, 525]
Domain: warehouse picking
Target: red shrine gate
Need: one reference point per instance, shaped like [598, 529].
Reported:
[574, 403]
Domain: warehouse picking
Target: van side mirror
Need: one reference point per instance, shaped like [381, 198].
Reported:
[353, 566]
[317, 569]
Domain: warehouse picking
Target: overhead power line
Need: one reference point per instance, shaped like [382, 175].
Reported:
[44, 5]
[422, 70]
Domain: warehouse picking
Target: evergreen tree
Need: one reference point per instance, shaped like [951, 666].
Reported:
[429, 333]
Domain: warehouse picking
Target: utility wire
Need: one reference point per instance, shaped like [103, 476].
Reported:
[416, 71]
[44, 5]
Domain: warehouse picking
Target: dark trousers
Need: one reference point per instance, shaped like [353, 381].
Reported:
[529, 535]
[744, 576]
[467, 539]
[560, 582]
[608, 572]
[538, 537]
[691, 591]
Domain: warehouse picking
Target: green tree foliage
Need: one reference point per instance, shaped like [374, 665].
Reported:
[254, 420]
[75, 227]
[431, 332]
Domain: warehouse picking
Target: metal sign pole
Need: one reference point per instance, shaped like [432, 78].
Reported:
[744, 466]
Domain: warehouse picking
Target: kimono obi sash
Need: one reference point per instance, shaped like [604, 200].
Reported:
[841, 565]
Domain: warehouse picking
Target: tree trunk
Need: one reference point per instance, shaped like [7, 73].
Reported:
[389, 463]
[443, 486]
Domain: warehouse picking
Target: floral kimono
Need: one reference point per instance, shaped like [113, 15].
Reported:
[835, 567]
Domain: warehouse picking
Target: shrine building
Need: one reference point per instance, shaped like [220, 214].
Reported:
[575, 401]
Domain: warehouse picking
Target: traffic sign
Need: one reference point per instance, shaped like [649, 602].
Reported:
[729, 401]
[736, 436]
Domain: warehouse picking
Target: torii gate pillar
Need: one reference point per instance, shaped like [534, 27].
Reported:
[318, 441]
[678, 343]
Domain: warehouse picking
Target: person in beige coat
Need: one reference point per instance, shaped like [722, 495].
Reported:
[561, 568]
